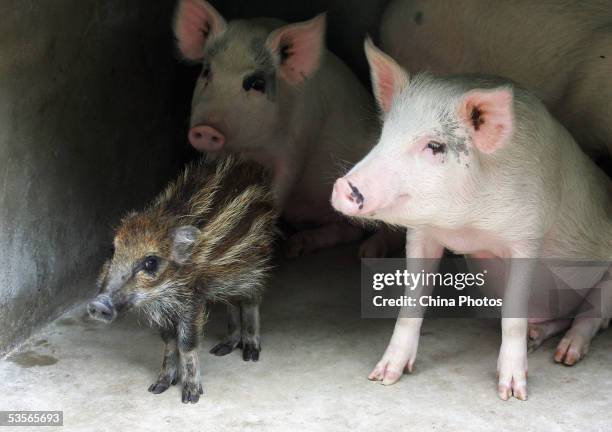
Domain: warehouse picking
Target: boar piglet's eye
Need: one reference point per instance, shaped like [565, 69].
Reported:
[436, 147]
[150, 264]
[254, 82]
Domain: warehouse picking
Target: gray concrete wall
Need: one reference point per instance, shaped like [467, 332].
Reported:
[93, 114]
[87, 127]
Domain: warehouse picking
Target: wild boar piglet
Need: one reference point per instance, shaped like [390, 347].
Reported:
[208, 237]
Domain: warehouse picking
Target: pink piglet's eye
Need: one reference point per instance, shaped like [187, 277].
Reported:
[436, 147]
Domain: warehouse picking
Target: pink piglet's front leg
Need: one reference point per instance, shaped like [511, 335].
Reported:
[512, 360]
[422, 253]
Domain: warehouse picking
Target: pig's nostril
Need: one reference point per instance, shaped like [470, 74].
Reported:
[356, 196]
[206, 138]
[101, 309]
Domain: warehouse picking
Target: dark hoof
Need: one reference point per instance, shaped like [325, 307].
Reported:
[250, 353]
[159, 387]
[224, 348]
[192, 392]
[162, 385]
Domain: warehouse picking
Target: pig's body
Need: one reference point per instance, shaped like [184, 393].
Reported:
[274, 93]
[207, 238]
[561, 50]
[478, 166]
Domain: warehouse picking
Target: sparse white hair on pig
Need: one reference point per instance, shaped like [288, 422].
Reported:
[561, 51]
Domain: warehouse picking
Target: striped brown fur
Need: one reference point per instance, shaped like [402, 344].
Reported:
[207, 237]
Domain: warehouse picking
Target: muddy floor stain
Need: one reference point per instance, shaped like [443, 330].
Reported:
[66, 322]
[30, 359]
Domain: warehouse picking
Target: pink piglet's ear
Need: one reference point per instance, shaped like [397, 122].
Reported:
[388, 77]
[298, 48]
[195, 23]
[489, 116]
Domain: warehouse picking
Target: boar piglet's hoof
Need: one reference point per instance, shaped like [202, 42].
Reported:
[250, 350]
[162, 385]
[192, 392]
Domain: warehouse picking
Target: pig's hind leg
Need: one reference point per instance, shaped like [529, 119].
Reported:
[243, 329]
[234, 332]
[169, 371]
[305, 242]
[250, 342]
[541, 331]
[385, 241]
[595, 316]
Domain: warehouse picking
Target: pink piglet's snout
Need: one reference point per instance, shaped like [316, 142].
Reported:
[206, 138]
[347, 198]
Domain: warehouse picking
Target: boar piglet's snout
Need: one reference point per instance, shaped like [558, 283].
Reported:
[102, 309]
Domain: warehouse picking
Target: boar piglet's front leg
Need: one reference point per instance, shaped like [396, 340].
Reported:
[169, 371]
[422, 253]
[512, 361]
[188, 332]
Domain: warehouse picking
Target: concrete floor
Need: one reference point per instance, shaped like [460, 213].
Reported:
[312, 374]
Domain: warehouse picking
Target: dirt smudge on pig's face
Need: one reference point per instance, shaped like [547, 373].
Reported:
[456, 139]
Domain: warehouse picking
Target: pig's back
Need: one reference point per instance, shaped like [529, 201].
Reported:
[203, 189]
[533, 43]
[583, 227]
[232, 205]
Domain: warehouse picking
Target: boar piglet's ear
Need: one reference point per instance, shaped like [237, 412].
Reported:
[388, 78]
[183, 239]
[195, 23]
[488, 115]
[298, 48]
